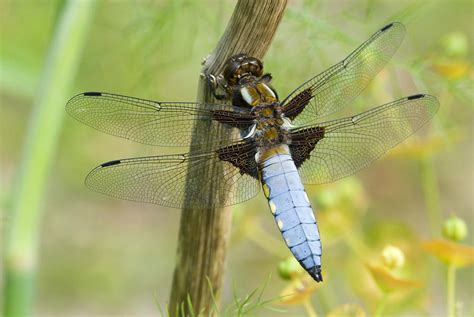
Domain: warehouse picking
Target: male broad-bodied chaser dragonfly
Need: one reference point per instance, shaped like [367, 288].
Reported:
[258, 140]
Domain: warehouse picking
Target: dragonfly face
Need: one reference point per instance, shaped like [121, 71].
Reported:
[240, 66]
[258, 140]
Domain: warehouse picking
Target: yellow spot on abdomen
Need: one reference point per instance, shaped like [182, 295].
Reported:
[273, 207]
[306, 196]
[280, 224]
[266, 190]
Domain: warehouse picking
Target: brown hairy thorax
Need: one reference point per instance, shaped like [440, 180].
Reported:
[250, 88]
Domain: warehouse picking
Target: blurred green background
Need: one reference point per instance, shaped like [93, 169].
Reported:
[100, 256]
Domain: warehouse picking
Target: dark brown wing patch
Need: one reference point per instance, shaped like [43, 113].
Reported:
[303, 143]
[296, 105]
[233, 119]
[242, 156]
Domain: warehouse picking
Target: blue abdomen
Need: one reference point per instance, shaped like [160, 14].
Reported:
[292, 210]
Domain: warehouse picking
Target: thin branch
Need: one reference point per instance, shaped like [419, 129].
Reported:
[204, 234]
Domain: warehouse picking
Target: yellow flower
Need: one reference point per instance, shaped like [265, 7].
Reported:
[392, 257]
[452, 69]
[451, 253]
[298, 291]
[387, 281]
[452, 61]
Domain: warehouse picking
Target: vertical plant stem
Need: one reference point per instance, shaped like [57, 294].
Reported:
[381, 306]
[308, 306]
[430, 189]
[22, 235]
[451, 291]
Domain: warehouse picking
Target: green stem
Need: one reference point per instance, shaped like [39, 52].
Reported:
[451, 291]
[381, 305]
[22, 236]
[308, 306]
[430, 189]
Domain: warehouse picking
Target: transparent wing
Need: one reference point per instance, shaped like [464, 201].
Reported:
[350, 144]
[332, 89]
[162, 180]
[158, 123]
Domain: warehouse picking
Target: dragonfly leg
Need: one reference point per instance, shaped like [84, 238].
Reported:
[218, 85]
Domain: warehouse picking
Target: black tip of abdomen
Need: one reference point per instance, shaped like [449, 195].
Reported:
[315, 273]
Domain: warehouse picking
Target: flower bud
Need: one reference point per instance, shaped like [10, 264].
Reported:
[455, 229]
[392, 257]
[289, 268]
[455, 44]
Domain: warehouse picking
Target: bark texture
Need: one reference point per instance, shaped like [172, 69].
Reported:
[204, 234]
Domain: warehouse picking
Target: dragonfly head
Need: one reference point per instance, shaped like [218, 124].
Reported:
[240, 66]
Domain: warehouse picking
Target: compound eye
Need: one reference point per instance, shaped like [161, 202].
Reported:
[257, 68]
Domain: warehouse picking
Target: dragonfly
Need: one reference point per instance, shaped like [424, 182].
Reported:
[255, 140]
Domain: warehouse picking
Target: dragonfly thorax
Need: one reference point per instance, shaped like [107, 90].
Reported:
[255, 92]
[271, 126]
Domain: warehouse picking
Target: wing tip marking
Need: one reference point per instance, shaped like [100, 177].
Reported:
[92, 93]
[111, 163]
[388, 26]
[399, 25]
[418, 96]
